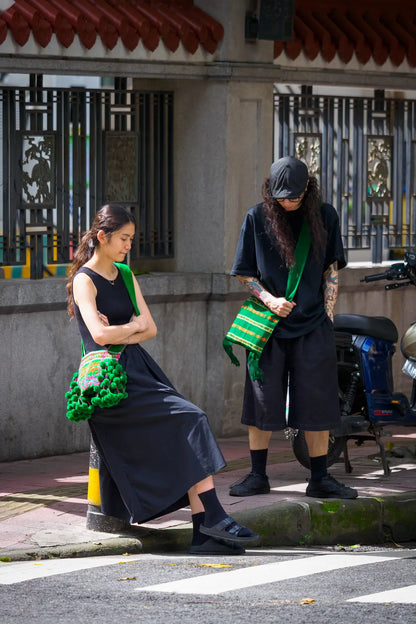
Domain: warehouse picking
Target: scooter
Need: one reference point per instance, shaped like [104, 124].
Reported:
[365, 347]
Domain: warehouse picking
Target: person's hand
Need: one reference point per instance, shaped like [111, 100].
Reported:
[103, 319]
[140, 323]
[279, 305]
[330, 315]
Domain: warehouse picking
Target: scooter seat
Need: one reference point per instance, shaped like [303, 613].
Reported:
[375, 326]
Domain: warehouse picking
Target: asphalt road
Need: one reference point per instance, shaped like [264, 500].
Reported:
[285, 585]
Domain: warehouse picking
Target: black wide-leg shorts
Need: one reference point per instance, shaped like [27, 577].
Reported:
[307, 365]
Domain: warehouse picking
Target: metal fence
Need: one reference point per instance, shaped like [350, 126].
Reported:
[363, 152]
[66, 152]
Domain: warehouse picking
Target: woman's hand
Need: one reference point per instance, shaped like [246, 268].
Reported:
[141, 323]
[103, 319]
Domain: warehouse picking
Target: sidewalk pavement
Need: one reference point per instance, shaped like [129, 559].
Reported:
[43, 504]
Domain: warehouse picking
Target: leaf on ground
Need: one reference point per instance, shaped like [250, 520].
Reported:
[307, 601]
[128, 578]
[215, 565]
[126, 555]
[5, 559]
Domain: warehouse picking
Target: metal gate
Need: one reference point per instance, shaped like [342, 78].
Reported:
[363, 152]
[66, 152]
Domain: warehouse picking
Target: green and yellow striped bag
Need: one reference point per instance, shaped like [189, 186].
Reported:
[255, 323]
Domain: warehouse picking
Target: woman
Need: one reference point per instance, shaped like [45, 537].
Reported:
[156, 449]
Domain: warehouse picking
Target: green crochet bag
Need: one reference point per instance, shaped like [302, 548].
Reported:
[100, 380]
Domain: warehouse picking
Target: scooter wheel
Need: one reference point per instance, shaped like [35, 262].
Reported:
[300, 449]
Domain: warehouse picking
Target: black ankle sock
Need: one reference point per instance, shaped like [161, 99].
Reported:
[198, 538]
[318, 467]
[214, 511]
[259, 461]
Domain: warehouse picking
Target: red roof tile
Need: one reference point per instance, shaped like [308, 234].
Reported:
[149, 21]
[377, 29]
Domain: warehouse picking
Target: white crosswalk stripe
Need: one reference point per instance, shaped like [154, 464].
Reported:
[242, 578]
[19, 571]
[404, 595]
[220, 582]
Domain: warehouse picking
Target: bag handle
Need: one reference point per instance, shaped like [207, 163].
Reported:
[127, 276]
[301, 253]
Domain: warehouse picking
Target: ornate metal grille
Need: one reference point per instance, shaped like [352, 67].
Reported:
[66, 152]
[363, 152]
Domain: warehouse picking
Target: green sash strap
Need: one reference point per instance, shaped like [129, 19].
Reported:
[255, 323]
[127, 276]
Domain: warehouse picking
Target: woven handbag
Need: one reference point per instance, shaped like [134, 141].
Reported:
[100, 380]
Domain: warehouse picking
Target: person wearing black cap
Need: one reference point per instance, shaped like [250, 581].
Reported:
[300, 355]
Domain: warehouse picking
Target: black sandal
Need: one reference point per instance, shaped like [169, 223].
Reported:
[228, 529]
[216, 547]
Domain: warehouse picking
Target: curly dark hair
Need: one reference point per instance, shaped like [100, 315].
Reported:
[278, 227]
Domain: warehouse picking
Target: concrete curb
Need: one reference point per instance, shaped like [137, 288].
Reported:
[372, 520]
[110, 546]
[399, 516]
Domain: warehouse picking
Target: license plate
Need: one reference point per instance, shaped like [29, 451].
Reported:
[410, 368]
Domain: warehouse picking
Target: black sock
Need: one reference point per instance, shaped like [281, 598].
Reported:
[259, 461]
[198, 537]
[318, 467]
[214, 511]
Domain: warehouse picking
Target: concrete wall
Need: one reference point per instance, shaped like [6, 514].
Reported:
[42, 351]
[193, 312]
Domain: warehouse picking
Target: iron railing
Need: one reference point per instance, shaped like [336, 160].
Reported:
[363, 151]
[66, 152]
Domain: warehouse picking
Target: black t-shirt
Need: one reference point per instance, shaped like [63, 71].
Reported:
[258, 256]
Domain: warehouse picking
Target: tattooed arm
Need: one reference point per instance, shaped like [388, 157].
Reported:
[331, 289]
[278, 305]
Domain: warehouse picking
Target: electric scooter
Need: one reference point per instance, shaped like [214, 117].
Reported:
[365, 347]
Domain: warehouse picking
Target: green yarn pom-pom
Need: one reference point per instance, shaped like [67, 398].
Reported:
[110, 390]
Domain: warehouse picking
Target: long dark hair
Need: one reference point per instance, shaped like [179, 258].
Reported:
[277, 223]
[109, 219]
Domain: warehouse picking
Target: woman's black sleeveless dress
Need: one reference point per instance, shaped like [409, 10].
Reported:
[154, 445]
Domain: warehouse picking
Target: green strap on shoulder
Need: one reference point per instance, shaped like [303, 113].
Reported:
[127, 276]
[301, 253]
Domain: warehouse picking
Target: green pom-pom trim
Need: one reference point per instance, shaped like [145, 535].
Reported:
[108, 393]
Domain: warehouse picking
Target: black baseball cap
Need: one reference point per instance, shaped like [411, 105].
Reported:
[288, 178]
